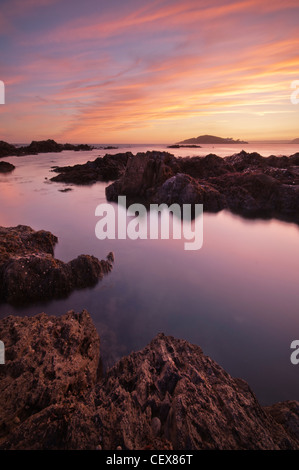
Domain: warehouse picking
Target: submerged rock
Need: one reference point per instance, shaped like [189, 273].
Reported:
[6, 167]
[29, 271]
[167, 396]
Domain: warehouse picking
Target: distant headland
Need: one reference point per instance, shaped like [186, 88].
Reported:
[211, 139]
[42, 146]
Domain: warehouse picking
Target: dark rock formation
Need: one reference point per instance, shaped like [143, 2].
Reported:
[177, 146]
[143, 174]
[212, 139]
[6, 167]
[108, 168]
[198, 405]
[7, 150]
[245, 183]
[167, 396]
[108, 147]
[183, 189]
[286, 414]
[42, 146]
[29, 271]
[50, 365]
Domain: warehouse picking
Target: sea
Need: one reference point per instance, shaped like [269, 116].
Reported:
[237, 297]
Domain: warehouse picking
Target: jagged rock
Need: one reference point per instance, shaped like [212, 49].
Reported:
[245, 183]
[108, 168]
[167, 396]
[204, 167]
[287, 415]
[51, 363]
[241, 161]
[183, 189]
[199, 405]
[6, 167]
[143, 173]
[7, 150]
[29, 271]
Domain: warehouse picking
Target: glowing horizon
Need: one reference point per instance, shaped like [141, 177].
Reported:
[141, 72]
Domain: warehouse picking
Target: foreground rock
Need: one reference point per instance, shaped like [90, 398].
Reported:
[108, 168]
[42, 146]
[6, 167]
[29, 271]
[245, 183]
[167, 396]
[51, 364]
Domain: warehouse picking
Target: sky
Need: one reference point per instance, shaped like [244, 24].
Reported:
[148, 71]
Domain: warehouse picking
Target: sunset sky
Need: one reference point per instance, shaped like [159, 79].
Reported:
[153, 71]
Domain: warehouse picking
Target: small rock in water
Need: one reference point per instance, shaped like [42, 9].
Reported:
[110, 257]
[66, 190]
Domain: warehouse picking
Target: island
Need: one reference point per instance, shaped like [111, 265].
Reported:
[211, 139]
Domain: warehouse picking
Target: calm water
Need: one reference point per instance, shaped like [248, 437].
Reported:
[237, 297]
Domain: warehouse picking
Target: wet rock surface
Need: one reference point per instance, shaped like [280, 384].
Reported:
[42, 146]
[167, 396]
[51, 364]
[29, 271]
[245, 183]
[108, 168]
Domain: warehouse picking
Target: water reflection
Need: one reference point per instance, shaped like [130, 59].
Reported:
[237, 297]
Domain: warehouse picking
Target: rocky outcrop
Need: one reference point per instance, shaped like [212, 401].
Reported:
[42, 146]
[245, 183]
[183, 189]
[287, 415]
[29, 271]
[167, 396]
[177, 146]
[170, 395]
[51, 363]
[143, 174]
[6, 167]
[108, 168]
[7, 150]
